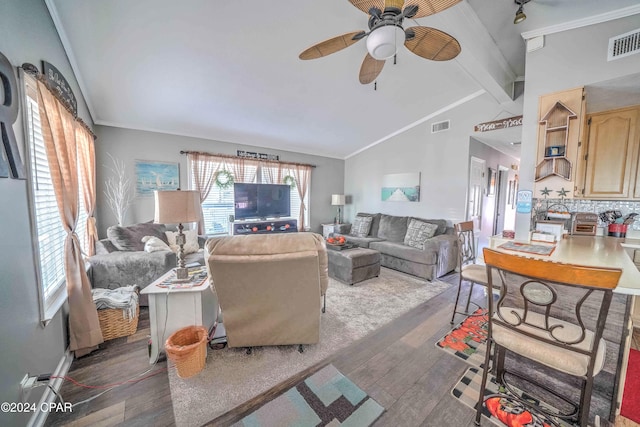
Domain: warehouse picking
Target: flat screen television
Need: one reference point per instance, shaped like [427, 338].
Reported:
[261, 200]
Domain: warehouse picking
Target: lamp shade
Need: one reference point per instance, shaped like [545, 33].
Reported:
[337, 199]
[176, 207]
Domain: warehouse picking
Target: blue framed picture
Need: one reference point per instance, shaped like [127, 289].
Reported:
[151, 176]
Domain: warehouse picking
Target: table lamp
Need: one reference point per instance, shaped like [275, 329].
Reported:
[178, 207]
[337, 200]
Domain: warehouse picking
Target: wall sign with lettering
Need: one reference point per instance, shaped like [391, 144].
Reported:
[10, 162]
[261, 156]
[524, 200]
[499, 124]
[58, 83]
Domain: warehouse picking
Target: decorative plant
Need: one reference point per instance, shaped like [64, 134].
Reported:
[118, 190]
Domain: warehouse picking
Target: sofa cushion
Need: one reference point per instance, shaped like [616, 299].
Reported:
[191, 241]
[418, 232]
[441, 223]
[392, 228]
[361, 226]
[129, 238]
[375, 223]
[407, 253]
[362, 242]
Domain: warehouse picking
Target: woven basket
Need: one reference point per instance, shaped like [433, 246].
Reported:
[114, 323]
[187, 348]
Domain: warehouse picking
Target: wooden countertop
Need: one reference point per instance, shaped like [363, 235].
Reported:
[596, 251]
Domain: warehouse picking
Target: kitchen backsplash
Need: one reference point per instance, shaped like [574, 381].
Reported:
[594, 206]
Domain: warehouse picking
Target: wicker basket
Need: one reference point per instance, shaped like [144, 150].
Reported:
[187, 348]
[114, 323]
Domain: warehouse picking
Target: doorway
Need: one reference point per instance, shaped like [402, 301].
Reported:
[501, 200]
[476, 192]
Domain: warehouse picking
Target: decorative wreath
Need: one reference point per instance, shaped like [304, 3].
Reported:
[290, 181]
[224, 179]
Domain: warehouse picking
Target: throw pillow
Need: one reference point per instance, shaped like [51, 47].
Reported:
[418, 232]
[154, 244]
[191, 241]
[361, 226]
[129, 238]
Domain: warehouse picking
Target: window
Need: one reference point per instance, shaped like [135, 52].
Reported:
[49, 234]
[218, 205]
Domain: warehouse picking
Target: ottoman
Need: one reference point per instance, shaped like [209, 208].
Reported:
[353, 265]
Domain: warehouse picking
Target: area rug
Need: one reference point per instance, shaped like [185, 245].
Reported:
[467, 392]
[326, 397]
[466, 340]
[631, 398]
[232, 377]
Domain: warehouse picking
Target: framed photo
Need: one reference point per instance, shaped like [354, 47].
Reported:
[491, 183]
[151, 176]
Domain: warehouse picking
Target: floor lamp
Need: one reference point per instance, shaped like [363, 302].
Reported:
[337, 200]
[178, 207]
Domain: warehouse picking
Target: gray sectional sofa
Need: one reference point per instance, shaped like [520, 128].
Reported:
[429, 251]
[121, 260]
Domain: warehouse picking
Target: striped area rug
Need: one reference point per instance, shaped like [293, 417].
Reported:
[325, 398]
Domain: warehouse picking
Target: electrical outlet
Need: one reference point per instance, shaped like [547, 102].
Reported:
[26, 385]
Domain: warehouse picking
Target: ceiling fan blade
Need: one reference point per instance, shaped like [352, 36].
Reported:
[430, 7]
[370, 69]
[330, 46]
[366, 5]
[432, 44]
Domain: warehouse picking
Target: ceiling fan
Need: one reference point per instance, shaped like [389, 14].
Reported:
[385, 29]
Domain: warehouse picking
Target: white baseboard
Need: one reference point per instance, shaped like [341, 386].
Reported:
[39, 417]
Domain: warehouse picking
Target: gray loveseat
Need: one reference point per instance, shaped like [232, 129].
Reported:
[121, 260]
[428, 258]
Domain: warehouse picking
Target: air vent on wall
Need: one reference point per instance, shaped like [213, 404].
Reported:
[440, 126]
[624, 45]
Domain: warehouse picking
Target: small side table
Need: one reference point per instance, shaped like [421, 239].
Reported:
[174, 307]
[327, 229]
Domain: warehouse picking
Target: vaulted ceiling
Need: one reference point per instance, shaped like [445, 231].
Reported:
[229, 71]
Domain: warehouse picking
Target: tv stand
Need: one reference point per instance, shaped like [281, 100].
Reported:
[264, 226]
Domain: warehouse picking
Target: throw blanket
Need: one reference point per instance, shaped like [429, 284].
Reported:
[125, 298]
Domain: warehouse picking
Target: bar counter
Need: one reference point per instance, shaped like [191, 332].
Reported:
[594, 251]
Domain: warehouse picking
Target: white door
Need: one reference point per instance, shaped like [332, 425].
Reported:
[476, 191]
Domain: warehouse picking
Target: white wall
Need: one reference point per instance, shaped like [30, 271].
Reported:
[568, 59]
[441, 158]
[128, 145]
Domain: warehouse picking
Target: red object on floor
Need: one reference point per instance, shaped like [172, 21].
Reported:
[631, 397]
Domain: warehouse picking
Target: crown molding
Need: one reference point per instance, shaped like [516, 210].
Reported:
[583, 22]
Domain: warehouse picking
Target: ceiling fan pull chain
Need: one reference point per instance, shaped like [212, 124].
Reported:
[375, 85]
[395, 57]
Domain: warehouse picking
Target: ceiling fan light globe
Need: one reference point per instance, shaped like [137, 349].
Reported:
[382, 42]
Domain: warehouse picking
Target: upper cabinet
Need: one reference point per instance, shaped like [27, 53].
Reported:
[610, 155]
[560, 126]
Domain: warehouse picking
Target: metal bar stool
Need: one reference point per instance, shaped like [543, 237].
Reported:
[469, 270]
[554, 315]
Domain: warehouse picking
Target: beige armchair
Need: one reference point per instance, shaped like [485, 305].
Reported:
[270, 286]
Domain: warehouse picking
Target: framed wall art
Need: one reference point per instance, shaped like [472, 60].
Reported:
[151, 176]
[401, 187]
[491, 182]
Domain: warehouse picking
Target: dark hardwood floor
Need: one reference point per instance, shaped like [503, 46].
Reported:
[398, 365]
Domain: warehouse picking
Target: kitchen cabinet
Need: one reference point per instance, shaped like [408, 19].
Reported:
[611, 154]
